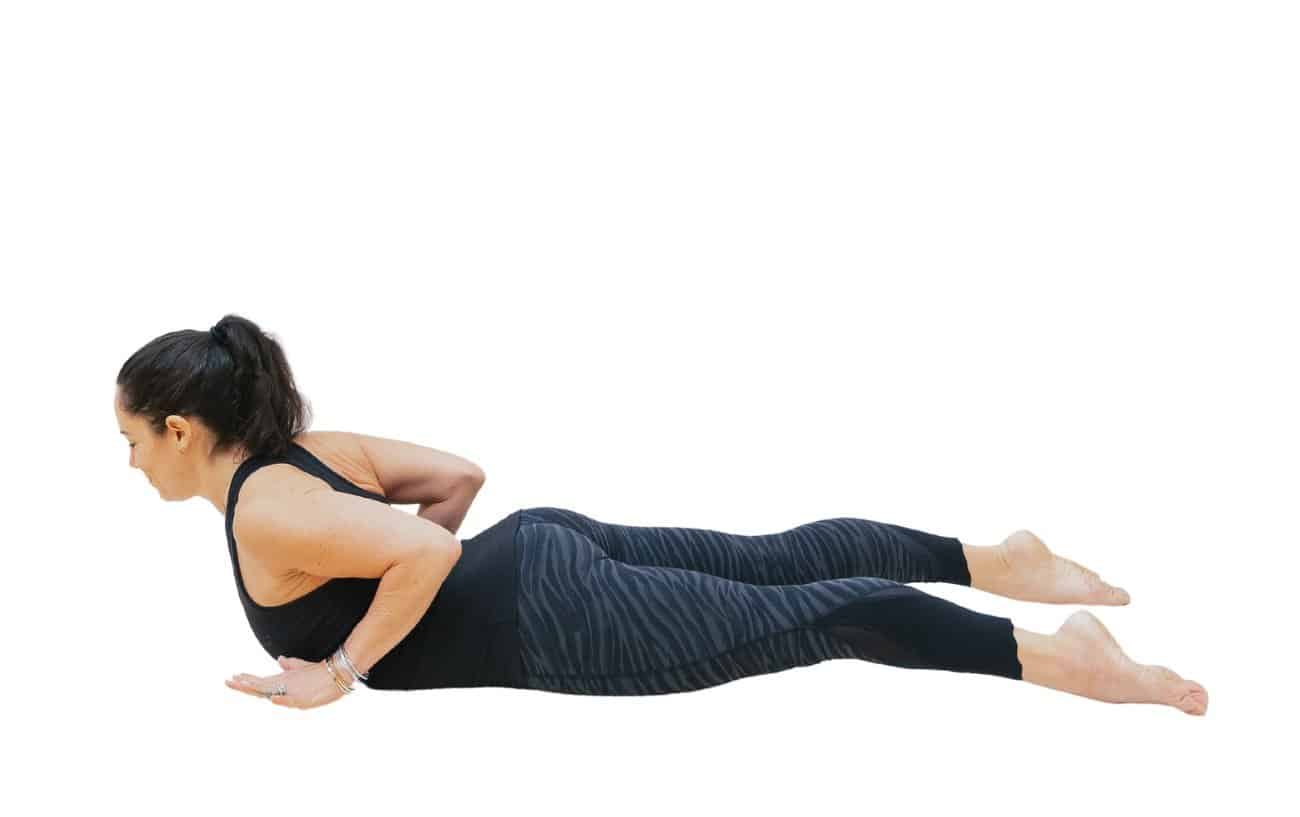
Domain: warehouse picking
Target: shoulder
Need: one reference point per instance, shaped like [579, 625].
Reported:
[343, 452]
[277, 484]
[322, 532]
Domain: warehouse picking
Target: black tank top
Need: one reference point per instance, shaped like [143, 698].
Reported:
[468, 637]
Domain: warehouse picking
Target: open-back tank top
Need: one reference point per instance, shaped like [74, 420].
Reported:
[468, 637]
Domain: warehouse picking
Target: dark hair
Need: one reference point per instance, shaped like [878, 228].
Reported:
[234, 377]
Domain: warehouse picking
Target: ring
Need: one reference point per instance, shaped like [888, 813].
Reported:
[278, 690]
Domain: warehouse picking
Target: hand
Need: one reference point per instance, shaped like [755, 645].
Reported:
[308, 684]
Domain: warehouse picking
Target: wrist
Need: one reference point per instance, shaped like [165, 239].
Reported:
[347, 666]
[354, 659]
[339, 673]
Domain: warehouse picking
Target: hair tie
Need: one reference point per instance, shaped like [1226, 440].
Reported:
[218, 334]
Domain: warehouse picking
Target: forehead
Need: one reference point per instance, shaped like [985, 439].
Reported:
[125, 421]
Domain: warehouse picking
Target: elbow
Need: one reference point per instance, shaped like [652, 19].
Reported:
[444, 547]
[448, 548]
[433, 561]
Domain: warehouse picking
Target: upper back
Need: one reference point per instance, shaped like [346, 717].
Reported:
[341, 451]
[404, 473]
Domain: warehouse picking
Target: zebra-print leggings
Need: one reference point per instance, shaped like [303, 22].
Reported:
[610, 609]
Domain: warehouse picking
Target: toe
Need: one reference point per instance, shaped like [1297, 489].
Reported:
[1191, 700]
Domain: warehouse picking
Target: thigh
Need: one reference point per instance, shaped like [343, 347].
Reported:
[592, 624]
[842, 547]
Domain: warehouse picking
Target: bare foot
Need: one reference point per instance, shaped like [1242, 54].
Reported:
[1092, 664]
[1023, 568]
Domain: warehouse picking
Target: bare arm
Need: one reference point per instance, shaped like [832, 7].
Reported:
[324, 532]
[450, 511]
[411, 473]
[405, 593]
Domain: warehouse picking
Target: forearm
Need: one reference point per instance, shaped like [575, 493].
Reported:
[450, 512]
[404, 595]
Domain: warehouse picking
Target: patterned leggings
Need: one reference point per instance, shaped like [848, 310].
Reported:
[610, 609]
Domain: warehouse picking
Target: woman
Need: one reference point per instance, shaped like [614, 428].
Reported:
[340, 588]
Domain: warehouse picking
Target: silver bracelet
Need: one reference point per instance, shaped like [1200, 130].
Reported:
[352, 667]
[329, 665]
[338, 667]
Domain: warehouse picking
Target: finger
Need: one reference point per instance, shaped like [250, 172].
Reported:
[241, 686]
[255, 685]
[246, 678]
[241, 682]
[260, 681]
[292, 663]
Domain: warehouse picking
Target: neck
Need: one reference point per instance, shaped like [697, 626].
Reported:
[214, 485]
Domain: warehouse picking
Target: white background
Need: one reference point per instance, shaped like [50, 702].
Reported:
[967, 267]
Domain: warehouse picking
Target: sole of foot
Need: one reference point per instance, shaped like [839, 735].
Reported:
[1093, 658]
[1030, 571]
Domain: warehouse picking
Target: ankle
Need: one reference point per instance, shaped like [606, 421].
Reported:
[986, 564]
[1040, 658]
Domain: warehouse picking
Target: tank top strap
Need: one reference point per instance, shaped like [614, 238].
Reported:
[307, 461]
[302, 459]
